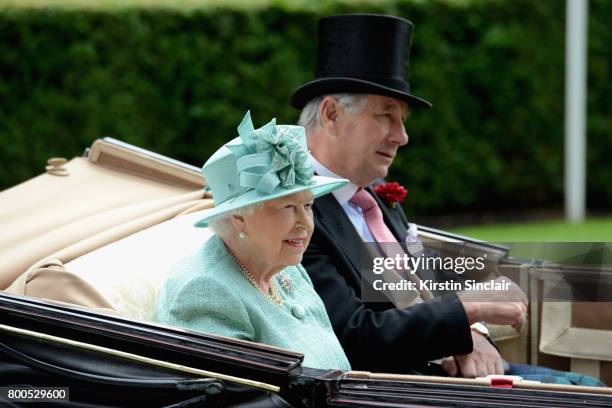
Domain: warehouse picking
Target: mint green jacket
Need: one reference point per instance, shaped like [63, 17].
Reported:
[207, 291]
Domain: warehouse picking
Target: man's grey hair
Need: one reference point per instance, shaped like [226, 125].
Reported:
[311, 117]
[222, 224]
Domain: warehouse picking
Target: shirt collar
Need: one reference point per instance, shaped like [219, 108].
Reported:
[344, 194]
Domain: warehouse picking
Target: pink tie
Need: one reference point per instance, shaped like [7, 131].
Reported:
[373, 216]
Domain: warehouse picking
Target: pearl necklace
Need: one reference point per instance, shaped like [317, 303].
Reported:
[273, 294]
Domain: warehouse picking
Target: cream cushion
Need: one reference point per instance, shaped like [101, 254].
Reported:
[130, 272]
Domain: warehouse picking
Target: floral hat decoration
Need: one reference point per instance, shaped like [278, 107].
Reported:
[260, 165]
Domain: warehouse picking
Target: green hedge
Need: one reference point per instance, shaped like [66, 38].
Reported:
[179, 82]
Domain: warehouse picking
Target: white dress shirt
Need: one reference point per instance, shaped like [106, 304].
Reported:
[343, 195]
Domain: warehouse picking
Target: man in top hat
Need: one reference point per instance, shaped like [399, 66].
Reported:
[354, 113]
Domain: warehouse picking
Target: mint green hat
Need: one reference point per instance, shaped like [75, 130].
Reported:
[262, 164]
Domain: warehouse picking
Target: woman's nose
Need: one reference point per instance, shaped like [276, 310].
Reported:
[305, 220]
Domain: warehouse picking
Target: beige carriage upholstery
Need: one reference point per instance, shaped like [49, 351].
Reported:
[565, 335]
[574, 335]
[123, 277]
[79, 206]
[49, 280]
[91, 201]
[130, 272]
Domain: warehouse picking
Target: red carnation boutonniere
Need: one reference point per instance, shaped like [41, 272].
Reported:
[391, 193]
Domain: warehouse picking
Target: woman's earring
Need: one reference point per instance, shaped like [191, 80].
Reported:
[241, 235]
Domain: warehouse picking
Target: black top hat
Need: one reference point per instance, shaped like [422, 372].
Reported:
[361, 53]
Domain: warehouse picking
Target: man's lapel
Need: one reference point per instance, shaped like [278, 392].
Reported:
[337, 223]
[394, 218]
[398, 224]
[333, 218]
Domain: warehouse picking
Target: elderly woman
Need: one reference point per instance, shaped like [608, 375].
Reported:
[246, 281]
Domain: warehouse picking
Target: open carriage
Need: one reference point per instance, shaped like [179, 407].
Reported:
[87, 245]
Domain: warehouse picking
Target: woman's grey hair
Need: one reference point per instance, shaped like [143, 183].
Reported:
[222, 224]
[310, 116]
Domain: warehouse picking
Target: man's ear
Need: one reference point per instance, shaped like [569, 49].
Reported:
[238, 222]
[329, 114]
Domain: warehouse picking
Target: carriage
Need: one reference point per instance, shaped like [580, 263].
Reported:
[87, 245]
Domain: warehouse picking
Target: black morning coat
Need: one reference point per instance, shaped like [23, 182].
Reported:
[375, 335]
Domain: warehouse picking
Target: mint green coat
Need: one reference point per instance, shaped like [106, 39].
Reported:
[207, 291]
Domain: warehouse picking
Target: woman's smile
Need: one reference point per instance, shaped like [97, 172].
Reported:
[299, 243]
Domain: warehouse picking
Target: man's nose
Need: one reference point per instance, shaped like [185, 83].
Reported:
[399, 135]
